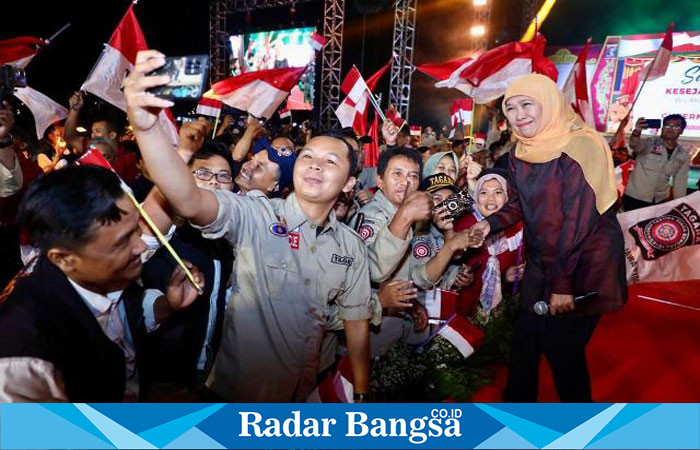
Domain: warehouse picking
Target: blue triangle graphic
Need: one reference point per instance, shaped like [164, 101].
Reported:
[27, 426]
[194, 438]
[506, 438]
[161, 435]
[631, 411]
[670, 425]
[69, 412]
[559, 417]
[144, 416]
[530, 431]
[580, 436]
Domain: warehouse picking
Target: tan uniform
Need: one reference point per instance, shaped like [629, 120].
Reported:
[289, 278]
[653, 169]
[423, 249]
[388, 260]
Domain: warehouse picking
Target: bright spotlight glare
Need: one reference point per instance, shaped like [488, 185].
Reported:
[479, 2]
[478, 30]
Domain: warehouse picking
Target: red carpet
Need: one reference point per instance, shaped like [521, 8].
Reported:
[648, 352]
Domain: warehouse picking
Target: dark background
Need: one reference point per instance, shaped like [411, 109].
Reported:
[182, 27]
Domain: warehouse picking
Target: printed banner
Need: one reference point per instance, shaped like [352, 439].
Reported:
[377, 426]
[661, 241]
[677, 92]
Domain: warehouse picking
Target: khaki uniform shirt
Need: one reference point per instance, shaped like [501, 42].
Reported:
[289, 278]
[388, 260]
[653, 169]
[423, 249]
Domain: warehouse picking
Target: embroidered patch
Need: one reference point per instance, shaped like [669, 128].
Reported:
[342, 260]
[366, 232]
[294, 240]
[277, 229]
[421, 250]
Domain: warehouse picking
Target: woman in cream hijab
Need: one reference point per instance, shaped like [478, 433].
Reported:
[563, 189]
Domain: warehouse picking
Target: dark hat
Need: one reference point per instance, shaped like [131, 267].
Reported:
[438, 181]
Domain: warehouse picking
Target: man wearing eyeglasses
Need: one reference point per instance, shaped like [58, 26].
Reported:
[658, 159]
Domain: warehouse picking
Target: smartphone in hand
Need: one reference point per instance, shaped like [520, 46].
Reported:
[188, 76]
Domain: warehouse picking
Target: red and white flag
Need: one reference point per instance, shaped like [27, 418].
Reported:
[440, 304]
[576, 88]
[659, 65]
[442, 71]
[661, 241]
[285, 113]
[465, 336]
[18, 51]
[415, 130]
[259, 93]
[393, 115]
[45, 111]
[622, 175]
[352, 111]
[318, 41]
[461, 112]
[336, 387]
[487, 77]
[115, 63]
[209, 107]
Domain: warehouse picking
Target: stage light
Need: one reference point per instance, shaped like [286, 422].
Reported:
[478, 30]
[479, 2]
[81, 130]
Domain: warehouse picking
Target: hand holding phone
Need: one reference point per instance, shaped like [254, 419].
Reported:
[188, 75]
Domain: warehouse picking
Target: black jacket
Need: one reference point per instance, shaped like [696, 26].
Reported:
[42, 316]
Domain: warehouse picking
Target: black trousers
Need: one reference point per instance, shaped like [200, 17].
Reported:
[563, 341]
[631, 203]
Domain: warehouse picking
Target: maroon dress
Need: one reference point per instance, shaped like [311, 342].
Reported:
[571, 248]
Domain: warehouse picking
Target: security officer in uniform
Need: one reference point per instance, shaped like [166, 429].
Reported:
[432, 262]
[296, 265]
[385, 225]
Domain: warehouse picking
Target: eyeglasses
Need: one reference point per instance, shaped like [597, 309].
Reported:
[673, 127]
[206, 175]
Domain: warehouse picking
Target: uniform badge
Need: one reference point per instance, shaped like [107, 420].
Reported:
[664, 234]
[277, 229]
[342, 260]
[294, 240]
[421, 250]
[366, 232]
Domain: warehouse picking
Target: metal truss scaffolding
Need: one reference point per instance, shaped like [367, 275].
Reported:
[334, 15]
[250, 5]
[482, 16]
[217, 40]
[402, 64]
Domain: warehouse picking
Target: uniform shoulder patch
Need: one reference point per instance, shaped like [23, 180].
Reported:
[421, 248]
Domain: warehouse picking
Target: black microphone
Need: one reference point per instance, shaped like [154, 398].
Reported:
[542, 308]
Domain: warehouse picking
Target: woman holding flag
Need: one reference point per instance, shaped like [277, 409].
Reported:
[563, 188]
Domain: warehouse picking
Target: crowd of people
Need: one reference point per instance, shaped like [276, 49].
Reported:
[291, 254]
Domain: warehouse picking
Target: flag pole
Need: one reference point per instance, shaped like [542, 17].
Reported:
[164, 242]
[216, 122]
[63, 28]
[646, 77]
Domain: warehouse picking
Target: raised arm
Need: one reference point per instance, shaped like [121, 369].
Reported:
[246, 141]
[76, 104]
[168, 171]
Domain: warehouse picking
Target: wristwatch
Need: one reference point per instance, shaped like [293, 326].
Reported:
[636, 133]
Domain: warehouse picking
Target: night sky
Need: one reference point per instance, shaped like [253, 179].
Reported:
[182, 27]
